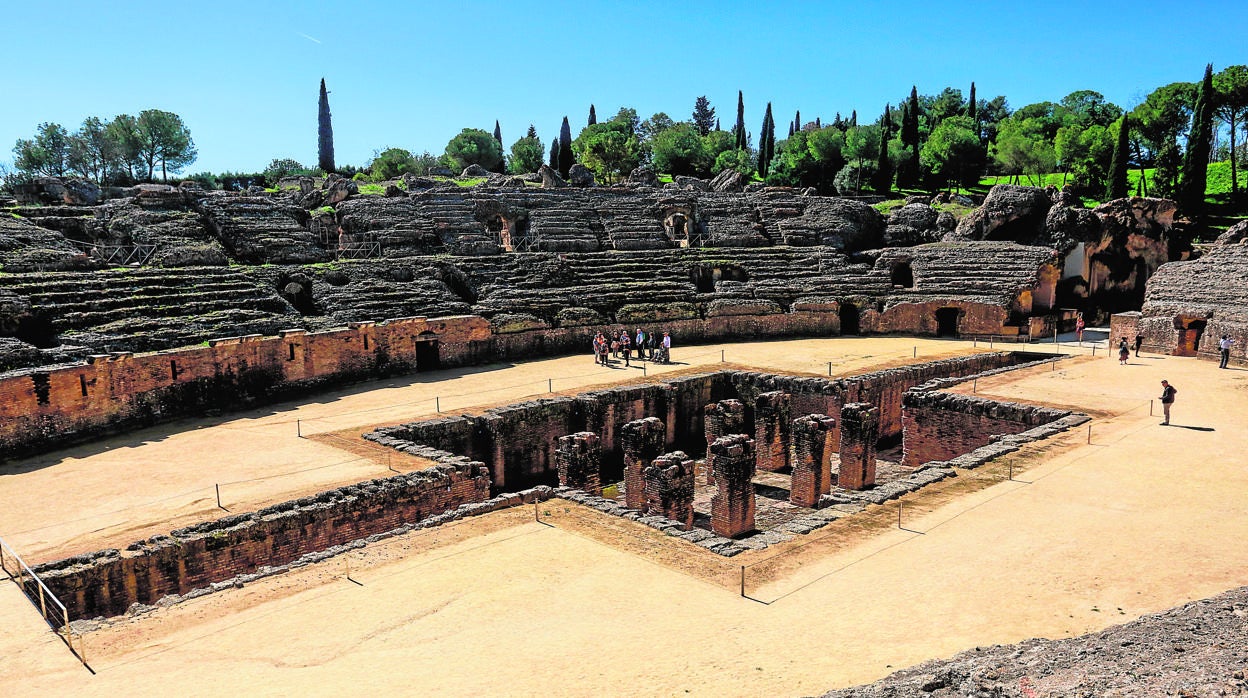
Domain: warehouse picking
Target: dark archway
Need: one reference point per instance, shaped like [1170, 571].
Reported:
[947, 322]
[849, 319]
[901, 275]
[1190, 333]
[427, 358]
[500, 230]
[36, 329]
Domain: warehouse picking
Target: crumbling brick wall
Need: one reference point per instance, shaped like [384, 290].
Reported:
[107, 583]
[732, 506]
[941, 426]
[772, 417]
[642, 441]
[860, 430]
[579, 459]
[811, 459]
[669, 487]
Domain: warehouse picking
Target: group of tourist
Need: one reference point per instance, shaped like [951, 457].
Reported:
[647, 345]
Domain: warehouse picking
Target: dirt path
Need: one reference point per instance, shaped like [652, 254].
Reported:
[1088, 535]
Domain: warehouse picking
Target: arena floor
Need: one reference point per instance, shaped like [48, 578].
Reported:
[1143, 518]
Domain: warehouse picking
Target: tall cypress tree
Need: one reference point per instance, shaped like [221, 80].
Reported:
[883, 179]
[790, 129]
[717, 124]
[565, 149]
[738, 131]
[498, 133]
[1196, 160]
[554, 155]
[1117, 186]
[853, 119]
[325, 134]
[593, 117]
[766, 142]
[797, 121]
[970, 107]
[910, 137]
[818, 124]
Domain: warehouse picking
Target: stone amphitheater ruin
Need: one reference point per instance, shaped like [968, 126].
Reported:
[129, 308]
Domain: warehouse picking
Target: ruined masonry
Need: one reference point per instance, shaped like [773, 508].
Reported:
[771, 430]
[811, 459]
[722, 418]
[732, 507]
[669, 488]
[860, 429]
[579, 460]
[642, 441]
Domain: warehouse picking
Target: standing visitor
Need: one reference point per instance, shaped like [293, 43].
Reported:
[1224, 348]
[667, 348]
[1139, 339]
[640, 344]
[624, 348]
[1079, 325]
[1167, 399]
[651, 342]
[1123, 352]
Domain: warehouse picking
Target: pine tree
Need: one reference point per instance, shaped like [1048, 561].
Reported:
[766, 142]
[593, 117]
[704, 116]
[1117, 187]
[325, 134]
[883, 179]
[554, 155]
[738, 131]
[1196, 160]
[498, 133]
[565, 149]
[532, 132]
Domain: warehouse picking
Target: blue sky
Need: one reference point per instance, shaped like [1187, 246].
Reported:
[244, 76]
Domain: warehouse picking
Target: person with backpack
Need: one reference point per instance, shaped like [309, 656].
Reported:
[1167, 399]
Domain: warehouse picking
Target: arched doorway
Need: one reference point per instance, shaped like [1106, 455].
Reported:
[901, 275]
[1190, 333]
[427, 358]
[677, 225]
[500, 231]
[947, 322]
[849, 319]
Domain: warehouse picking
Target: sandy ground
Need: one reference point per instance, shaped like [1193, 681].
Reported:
[1087, 535]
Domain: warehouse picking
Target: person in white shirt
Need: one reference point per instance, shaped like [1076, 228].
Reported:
[1224, 347]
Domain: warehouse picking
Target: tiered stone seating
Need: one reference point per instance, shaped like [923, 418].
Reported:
[984, 272]
[260, 229]
[143, 309]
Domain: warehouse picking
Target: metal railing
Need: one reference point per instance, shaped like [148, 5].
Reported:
[53, 611]
[359, 250]
[119, 255]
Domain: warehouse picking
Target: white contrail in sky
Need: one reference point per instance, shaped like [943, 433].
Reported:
[309, 38]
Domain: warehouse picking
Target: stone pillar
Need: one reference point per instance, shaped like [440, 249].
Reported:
[860, 429]
[642, 441]
[579, 460]
[722, 418]
[732, 507]
[772, 418]
[811, 458]
[669, 487]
